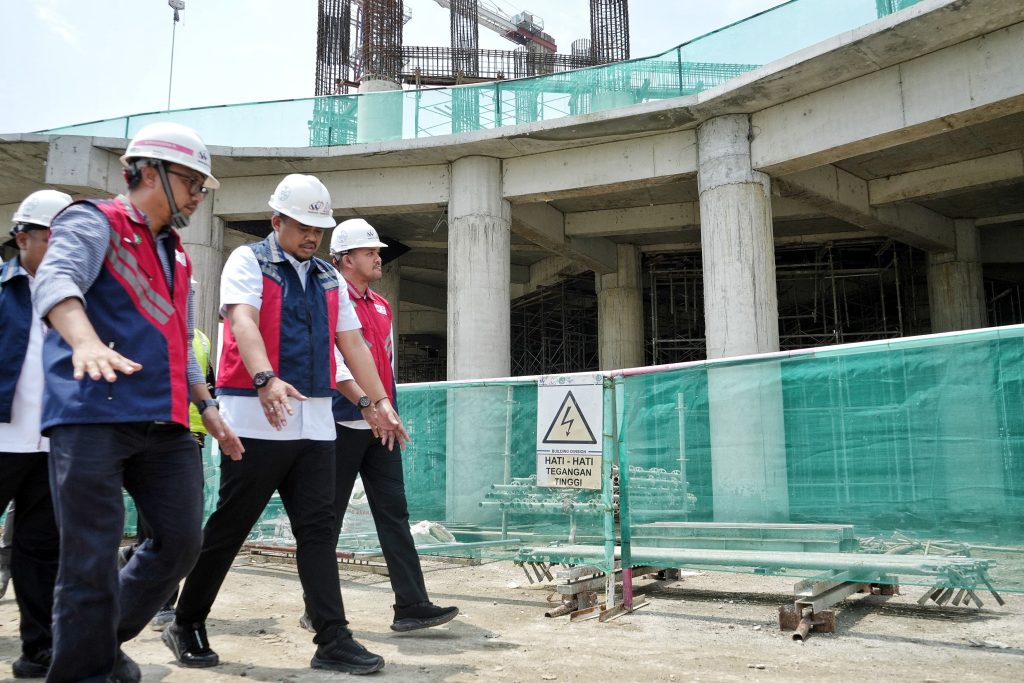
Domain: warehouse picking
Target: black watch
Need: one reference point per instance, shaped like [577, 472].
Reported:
[260, 379]
[207, 403]
[364, 402]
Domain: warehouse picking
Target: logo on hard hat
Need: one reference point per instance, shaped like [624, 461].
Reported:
[202, 156]
[283, 194]
[320, 207]
[371, 235]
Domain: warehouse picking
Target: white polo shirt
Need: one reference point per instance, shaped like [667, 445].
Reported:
[242, 283]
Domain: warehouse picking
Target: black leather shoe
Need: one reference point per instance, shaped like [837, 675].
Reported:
[35, 666]
[190, 645]
[125, 670]
[422, 615]
[345, 654]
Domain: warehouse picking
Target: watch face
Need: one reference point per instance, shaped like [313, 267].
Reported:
[364, 402]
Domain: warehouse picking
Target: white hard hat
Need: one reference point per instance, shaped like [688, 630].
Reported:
[39, 208]
[354, 233]
[174, 143]
[304, 198]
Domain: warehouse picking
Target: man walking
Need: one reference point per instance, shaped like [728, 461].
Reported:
[355, 249]
[24, 478]
[284, 314]
[119, 374]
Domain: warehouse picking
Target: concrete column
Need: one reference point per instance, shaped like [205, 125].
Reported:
[741, 315]
[479, 222]
[390, 287]
[379, 117]
[955, 292]
[620, 324]
[741, 308]
[204, 242]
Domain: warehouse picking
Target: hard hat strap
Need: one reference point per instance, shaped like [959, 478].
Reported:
[178, 219]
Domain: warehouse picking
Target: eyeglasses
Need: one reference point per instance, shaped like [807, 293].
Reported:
[195, 185]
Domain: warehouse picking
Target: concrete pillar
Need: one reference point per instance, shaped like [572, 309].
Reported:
[741, 308]
[204, 242]
[379, 117]
[748, 451]
[479, 221]
[390, 287]
[620, 323]
[955, 292]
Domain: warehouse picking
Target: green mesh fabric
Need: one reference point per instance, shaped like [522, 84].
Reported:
[693, 67]
[906, 454]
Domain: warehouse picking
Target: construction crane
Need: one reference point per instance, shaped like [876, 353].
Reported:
[525, 28]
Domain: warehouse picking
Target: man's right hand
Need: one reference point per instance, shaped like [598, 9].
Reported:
[100, 361]
[274, 400]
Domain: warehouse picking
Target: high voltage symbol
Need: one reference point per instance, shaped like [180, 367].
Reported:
[569, 425]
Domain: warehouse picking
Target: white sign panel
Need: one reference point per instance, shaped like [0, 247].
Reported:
[570, 423]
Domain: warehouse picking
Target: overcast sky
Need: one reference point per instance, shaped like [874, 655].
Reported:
[72, 61]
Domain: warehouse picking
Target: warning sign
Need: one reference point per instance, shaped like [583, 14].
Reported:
[570, 415]
[569, 425]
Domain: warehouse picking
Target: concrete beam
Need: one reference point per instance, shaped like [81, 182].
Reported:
[999, 220]
[439, 262]
[602, 168]
[972, 174]
[424, 295]
[545, 225]
[381, 190]
[846, 197]
[75, 165]
[782, 241]
[662, 218]
[423, 322]
[960, 85]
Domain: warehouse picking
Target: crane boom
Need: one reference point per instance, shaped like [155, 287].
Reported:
[523, 29]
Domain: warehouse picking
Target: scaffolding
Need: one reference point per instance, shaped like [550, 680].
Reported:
[382, 40]
[421, 359]
[828, 294]
[609, 30]
[554, 330]
[465, 35]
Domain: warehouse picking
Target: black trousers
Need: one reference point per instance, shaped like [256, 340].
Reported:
[360, 453]
[302, 472]
[35, 548]
[95, 607]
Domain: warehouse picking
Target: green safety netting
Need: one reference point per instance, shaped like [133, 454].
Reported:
[535, 92]
[892, 462]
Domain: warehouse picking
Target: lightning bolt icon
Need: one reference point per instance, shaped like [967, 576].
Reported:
[566, 420]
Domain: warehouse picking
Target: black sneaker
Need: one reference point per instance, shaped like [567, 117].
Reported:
[35, 666]
[125, 670]
[422, 615]
[345, 654]
[190, 645]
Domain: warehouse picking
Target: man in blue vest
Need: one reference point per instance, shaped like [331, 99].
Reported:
[24, 474]
[285, 312]
[120, 374]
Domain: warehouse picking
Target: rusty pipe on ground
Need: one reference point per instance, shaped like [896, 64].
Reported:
[561, 610]
[805, 625]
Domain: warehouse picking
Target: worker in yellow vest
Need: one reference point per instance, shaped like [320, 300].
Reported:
[201, 348]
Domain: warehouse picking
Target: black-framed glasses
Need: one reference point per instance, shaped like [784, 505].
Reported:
[195, 186]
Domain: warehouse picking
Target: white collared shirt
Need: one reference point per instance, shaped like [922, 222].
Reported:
[242, 283]
[21, 434]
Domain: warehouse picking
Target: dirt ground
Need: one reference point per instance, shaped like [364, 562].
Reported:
[708, 626]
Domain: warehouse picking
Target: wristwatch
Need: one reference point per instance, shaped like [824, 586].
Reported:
[364, 402]
[206, 403]
[260, 379]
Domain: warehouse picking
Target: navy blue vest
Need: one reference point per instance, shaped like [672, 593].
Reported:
[297, 325]
[132, 310]
[15, 325]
